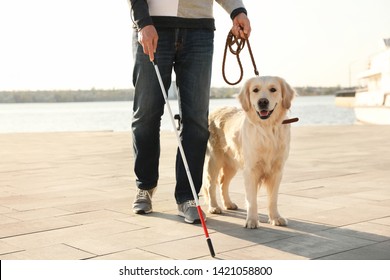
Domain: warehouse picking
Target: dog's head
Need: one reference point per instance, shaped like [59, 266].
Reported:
[266, 98]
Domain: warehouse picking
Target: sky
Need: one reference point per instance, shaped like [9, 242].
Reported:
[84, 44]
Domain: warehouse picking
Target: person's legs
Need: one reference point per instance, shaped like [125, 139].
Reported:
[193, 77]
[148, 107]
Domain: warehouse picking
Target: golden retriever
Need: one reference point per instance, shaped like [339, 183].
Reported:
[253, 139]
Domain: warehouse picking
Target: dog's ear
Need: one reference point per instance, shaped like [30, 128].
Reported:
[243, 96]
[288, 93]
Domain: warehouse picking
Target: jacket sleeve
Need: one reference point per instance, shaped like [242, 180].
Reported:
[233, 7]
[140, 13]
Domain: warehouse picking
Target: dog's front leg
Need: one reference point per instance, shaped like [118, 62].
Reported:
[252, 220]
[272, 185]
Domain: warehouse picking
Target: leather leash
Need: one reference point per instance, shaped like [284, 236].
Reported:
[239, 44]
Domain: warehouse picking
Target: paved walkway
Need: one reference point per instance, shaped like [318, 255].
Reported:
[69, 195]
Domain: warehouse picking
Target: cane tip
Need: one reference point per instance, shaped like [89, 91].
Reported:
[211, 248]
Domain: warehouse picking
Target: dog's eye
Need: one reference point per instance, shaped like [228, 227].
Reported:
[272, 89]
[256, 90]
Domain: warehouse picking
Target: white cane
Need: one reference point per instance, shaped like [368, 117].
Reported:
[195, 195]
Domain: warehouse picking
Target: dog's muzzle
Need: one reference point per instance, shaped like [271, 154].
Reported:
[263, 111]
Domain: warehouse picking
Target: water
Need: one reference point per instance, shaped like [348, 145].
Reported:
[116, 116]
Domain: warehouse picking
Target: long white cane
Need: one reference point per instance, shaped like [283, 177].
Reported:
[210, 245]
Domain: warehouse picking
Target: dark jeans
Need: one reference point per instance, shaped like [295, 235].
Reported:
[189, 53]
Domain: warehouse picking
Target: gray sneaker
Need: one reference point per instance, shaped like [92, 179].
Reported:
[143, 201]
[189, 211]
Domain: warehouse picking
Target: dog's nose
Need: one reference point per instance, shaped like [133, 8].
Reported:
[263, 103]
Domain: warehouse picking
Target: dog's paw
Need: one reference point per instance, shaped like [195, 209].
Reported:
[215, 210]
[279, 221]
[231, 206]
[252, 223]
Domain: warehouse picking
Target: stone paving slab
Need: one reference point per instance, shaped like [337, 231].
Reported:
[68, 196]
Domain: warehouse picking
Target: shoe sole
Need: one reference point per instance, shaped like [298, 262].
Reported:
[142, 212]
[196, 221]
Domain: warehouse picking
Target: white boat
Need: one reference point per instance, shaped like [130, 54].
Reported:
[372, 101]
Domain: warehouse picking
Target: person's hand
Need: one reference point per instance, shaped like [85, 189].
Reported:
[241, 26]
[148, 39]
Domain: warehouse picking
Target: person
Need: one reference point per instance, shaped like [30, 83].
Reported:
[179, 35]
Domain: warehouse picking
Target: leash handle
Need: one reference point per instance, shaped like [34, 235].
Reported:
[232, 40]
